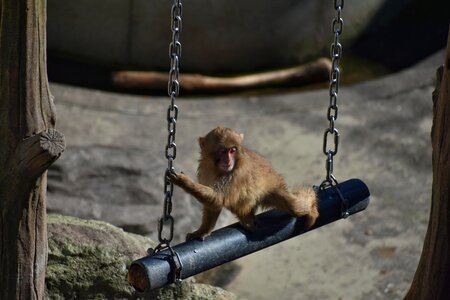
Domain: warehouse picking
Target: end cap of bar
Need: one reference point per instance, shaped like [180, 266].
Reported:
[137, 277]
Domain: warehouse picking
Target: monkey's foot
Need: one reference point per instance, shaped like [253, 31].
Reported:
[249, 224]
[196, 236]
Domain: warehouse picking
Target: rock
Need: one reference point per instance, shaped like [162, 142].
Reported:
[193, 291]
[89, 259]
[107, 183]
[216, 36]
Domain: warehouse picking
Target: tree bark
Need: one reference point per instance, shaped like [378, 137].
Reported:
[29, 144]
[432, 277]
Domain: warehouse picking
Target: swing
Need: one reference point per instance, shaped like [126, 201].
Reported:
[166, 264]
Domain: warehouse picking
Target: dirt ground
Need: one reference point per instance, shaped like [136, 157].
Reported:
[385, 141]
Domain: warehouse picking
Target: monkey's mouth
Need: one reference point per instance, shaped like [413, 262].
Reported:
[226, 167]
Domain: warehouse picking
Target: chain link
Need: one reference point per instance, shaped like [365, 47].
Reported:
[167, 221]
[332, 112]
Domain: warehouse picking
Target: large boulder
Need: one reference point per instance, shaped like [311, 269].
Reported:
[89, 260]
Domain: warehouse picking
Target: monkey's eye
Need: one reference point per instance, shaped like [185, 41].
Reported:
[226, 151]
[223, 150]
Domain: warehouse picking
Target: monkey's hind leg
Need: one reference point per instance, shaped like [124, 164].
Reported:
[301, 203]
[309, 196]
[209, 220]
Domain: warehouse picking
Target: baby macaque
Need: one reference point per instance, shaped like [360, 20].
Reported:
[232, 176]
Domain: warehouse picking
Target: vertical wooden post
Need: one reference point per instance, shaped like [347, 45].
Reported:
[28, 145]
[432, 277]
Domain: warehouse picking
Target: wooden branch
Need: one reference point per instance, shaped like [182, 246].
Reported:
[432, 277]
[316, 71]
[35, 154]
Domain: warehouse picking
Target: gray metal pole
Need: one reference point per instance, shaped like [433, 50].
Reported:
[232, 242]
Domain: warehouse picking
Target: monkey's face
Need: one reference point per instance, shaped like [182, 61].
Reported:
[226, 159]
[222, 146]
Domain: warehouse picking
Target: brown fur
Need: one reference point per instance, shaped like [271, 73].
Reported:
[252, 183]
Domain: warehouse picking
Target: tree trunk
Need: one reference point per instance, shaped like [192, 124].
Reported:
[28, 145]
[432, 277]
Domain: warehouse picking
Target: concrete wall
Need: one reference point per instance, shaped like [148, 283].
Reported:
[217, 35]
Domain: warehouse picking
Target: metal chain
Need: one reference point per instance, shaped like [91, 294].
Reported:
[167, 219]
[332, 112]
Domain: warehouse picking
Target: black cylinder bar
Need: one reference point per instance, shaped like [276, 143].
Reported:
[232, 242]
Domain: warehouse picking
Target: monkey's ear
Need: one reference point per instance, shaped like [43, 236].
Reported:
[202, 142]
[241, 136]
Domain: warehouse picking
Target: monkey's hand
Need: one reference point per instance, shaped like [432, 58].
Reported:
[179, 179]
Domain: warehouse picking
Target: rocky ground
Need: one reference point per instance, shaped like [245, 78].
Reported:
[113, 166]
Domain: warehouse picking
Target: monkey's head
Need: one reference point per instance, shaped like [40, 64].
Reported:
[223, 146]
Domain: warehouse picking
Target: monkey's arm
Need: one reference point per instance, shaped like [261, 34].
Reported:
[204, 194]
